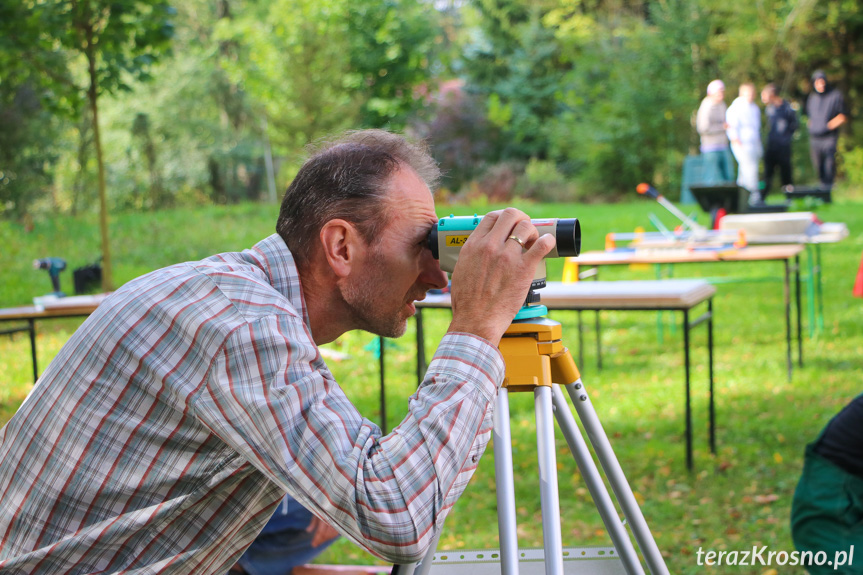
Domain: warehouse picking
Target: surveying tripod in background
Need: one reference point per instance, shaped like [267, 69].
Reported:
[537, 360]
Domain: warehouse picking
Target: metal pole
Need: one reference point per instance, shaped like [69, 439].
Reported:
[710, 375]
[688, 390]
[548, 492]
[593, 481]
[614, 473]
[505, 485]
[32, 328]
[787, 296]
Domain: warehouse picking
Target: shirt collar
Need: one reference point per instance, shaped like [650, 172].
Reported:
[276, 260]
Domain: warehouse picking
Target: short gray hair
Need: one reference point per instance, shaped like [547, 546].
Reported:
[347, 179]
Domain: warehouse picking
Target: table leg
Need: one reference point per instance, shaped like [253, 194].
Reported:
[580, 340]
[799, 320]
[32, 328]
[688, 400]
[710, 374]
[598, 343]
[820, 293]
[787, 297]
[810, 290]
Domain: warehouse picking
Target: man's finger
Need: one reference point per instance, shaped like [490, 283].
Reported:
[526, 232]
[506, 223]
[541, 247]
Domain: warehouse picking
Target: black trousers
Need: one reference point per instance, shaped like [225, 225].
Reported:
[777, 156]
[823, 152]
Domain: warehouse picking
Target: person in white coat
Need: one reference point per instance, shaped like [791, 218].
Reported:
[744, 131]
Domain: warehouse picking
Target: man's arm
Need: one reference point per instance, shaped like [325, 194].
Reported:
[732, 123]
[271, 398]
[793, 120]
[839, 116]
[836, 121]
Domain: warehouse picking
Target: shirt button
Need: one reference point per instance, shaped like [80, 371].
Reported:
[475, 458]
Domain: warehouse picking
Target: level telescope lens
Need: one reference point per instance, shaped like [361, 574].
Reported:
[568, 237]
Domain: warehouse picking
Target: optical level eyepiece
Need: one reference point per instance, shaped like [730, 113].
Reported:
[568, 237]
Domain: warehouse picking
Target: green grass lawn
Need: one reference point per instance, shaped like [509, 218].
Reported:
[731, 501]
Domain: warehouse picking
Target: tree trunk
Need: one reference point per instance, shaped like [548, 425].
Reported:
[80, 182]
[93, 96]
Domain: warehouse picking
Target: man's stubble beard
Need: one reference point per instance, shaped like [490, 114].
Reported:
[363, 301]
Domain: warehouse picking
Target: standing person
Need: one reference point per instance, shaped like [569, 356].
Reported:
[825, 108]
[744, 130]
[710, 123]
[782, 120]
[165, 433]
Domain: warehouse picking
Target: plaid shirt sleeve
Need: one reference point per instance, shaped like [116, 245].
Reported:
[271, 398]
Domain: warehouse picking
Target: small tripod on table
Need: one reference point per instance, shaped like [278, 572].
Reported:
[537, 360]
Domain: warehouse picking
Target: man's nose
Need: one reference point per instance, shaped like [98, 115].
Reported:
[431, 273]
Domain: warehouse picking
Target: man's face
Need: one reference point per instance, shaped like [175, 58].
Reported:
[718, 96]
[398, 269]
[820, 85]
[747, 93]
[766, 97]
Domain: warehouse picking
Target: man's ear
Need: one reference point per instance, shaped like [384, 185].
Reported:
[341, 243]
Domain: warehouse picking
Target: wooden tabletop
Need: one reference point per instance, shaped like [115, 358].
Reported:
[623, 295]
[684, 255]
[74, 306]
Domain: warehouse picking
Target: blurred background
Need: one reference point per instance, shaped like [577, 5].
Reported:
[203, 102]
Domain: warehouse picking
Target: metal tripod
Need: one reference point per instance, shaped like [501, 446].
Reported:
[537, 360]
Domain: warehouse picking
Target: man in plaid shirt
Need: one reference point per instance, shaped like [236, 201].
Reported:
[167, 430]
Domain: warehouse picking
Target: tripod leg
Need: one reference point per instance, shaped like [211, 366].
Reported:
[549, 497]
[506, 520]
[608, 460]
[593, 480]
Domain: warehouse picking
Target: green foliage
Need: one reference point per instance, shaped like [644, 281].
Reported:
[851, 164]
[390, 44]
[128, 35]
[543, 182]
[515, 63]
[28, 145]
[604, 90]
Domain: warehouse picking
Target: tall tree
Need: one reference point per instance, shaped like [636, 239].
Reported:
[515, 64]
[116, 39]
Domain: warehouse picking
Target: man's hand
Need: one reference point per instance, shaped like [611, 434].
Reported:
[493, 273]
[321, 531]
[836, 121]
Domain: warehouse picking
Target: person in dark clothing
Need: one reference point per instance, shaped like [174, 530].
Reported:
[827, 511]
[825, 108]
[783, 123]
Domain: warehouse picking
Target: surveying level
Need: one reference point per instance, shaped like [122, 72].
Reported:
[449, 235]
[537, 360]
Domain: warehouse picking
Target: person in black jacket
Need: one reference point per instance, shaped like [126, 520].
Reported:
[825, 108]
[782, 120]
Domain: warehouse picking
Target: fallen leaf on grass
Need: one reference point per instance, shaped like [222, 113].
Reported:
[769, 498]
